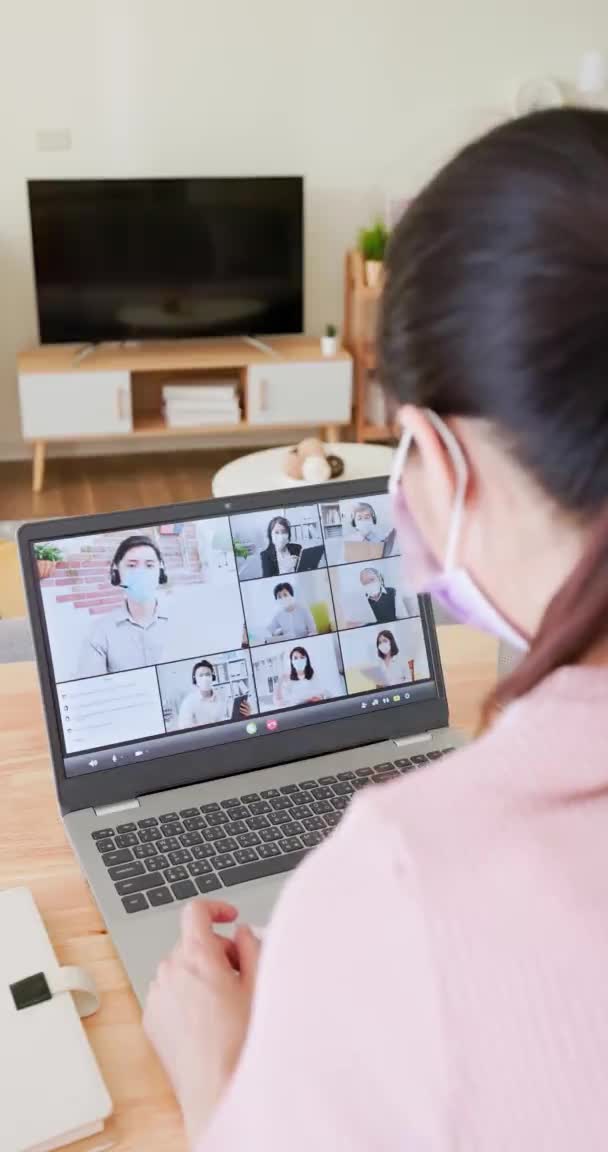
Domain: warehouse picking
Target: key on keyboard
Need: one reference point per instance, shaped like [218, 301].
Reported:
[136, 903]
[139, 883]
[105, 845]
[160, 896]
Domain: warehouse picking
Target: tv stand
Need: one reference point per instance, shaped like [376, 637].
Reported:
[109, 392]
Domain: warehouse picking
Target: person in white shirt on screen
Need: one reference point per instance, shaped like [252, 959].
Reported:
[301, 685]
[280, 557]
[292, 619]
[392, 668]
[204, 705]
[134, 635]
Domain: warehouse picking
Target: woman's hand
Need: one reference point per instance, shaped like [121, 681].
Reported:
[245, 708]
[198, 1009]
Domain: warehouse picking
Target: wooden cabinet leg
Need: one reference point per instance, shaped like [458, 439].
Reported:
[38, 466]
[332, 434]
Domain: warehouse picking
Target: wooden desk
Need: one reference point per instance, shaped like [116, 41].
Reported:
[35, 852]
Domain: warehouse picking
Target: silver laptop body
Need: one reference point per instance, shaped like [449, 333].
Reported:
[209, 722]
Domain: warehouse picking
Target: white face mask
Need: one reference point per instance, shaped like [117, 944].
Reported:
[374, 588]
[288, 603]
[364, 525]
[384, 647]
[279, 539]
[450, 584]
[205, 682]
[299, 664]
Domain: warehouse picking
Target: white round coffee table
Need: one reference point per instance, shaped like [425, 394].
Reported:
[264, 471]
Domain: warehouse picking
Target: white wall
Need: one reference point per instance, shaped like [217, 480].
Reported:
[363, 97]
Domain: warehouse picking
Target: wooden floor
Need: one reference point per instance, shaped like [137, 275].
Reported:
[108, 483]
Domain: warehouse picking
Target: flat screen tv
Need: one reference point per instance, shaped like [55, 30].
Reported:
[149, 259]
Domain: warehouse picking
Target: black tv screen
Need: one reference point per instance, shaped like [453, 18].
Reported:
[149, 259]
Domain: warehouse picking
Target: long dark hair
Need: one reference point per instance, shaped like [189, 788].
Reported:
[308, 671]
[388, 635]
[496, 307]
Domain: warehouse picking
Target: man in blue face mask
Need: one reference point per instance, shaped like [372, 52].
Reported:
[135, 634]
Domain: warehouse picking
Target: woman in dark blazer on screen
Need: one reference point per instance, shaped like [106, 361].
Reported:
[280, 556]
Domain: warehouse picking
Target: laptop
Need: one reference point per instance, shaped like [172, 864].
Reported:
[140, 619]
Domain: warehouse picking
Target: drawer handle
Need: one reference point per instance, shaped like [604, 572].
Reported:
[121, 404]
[263, 395]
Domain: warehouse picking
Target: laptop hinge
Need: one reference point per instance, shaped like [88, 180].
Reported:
[110, 809]
[403, 741]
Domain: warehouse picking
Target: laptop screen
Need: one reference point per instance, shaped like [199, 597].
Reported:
[188, 635]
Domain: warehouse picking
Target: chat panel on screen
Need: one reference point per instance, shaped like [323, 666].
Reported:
[385, 656]
[358, 530]
[278, 542]
[121, 600]
[207, 689]
[299, 672]
[371, 592]
[110, 709]
[288, 607]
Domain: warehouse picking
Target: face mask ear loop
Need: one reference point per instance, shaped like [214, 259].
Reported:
[460, 468]
[399, 460]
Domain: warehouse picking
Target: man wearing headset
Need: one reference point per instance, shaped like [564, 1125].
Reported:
[364, 524]
[134, 635]
[203, 705]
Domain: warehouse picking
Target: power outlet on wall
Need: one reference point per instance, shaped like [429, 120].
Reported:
[53, 140]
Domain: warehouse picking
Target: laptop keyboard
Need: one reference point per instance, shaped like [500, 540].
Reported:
[195, 851]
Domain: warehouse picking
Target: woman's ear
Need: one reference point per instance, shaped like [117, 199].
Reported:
[429, 479]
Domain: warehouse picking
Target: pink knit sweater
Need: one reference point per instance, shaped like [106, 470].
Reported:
[436, 975]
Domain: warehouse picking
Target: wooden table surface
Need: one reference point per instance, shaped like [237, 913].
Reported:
[34, 852]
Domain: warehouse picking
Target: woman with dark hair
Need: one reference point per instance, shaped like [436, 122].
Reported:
[280, 556]
[301, 685]
[134, 635]
[391, 668]
[458, 920]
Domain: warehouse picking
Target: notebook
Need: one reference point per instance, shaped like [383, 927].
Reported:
[52, 1090]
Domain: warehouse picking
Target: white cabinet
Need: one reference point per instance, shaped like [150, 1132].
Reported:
[67, 405]
[310, 392]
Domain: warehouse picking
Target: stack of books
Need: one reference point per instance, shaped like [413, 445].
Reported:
[196, 405]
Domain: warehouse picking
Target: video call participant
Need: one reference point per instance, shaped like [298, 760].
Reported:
[292, 619]
[383, 601]
[134, 635]
[301, 685]
[203, 705]
[280, 557]
[391, 669]
[364, 524]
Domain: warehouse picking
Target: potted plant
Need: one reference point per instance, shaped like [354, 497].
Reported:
[372, 246]
[47, 556]
[241, 550]
[329, 342]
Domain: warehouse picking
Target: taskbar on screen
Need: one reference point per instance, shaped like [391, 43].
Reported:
[173, 743]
